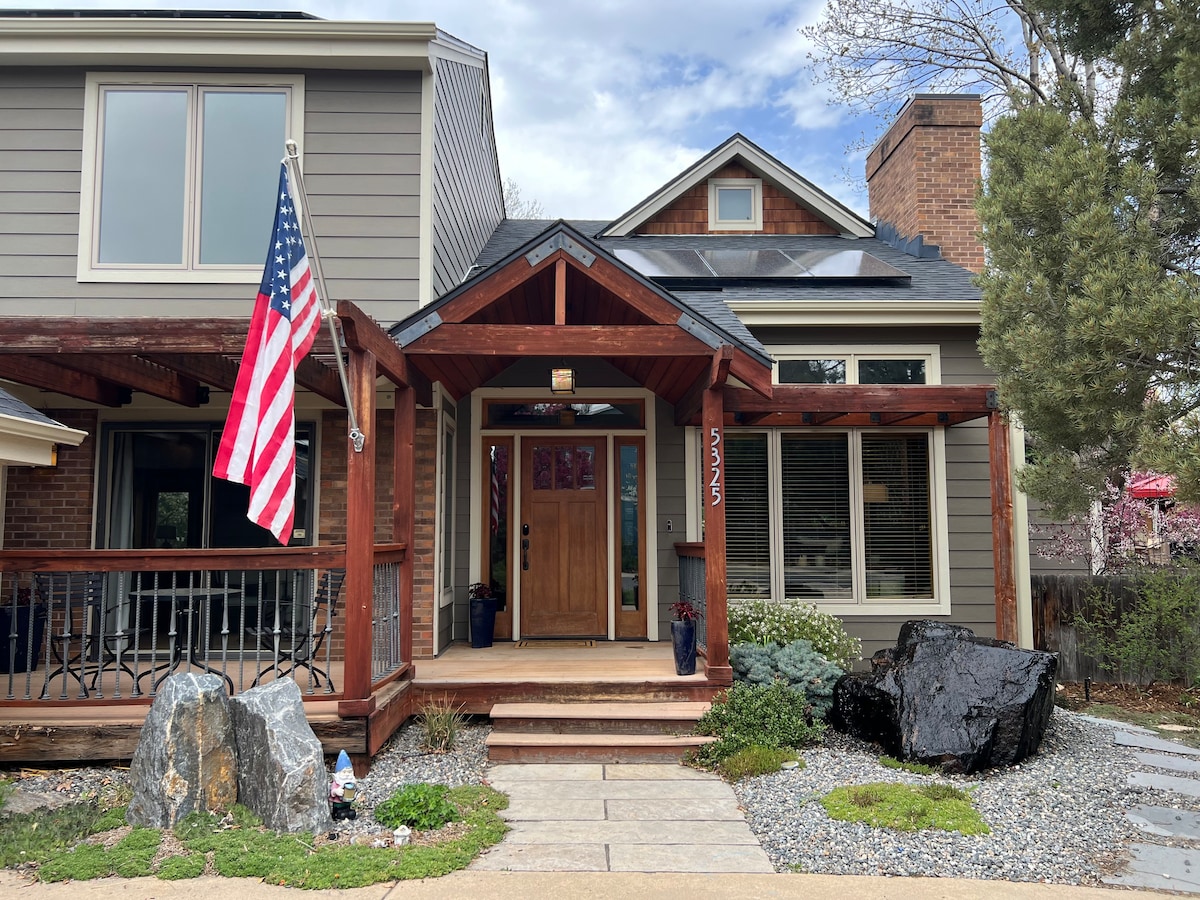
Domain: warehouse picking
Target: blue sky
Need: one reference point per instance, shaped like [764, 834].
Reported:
[599, 102]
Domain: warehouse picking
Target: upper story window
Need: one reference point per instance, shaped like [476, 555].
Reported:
[179, 174]
[868, 365]
[735, 204]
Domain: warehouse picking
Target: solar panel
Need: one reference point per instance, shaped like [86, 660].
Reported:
[763, 263]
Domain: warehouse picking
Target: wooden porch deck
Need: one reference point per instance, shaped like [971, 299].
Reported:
[476, 679]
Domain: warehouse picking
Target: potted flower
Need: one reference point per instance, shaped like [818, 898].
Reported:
[483, 614]
[683, 636]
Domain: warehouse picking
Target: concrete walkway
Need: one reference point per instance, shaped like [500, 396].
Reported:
[620, 818]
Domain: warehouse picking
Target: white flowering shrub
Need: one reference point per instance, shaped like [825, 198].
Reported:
[783, 621]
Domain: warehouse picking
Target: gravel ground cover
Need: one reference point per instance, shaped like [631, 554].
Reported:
[1059, 816]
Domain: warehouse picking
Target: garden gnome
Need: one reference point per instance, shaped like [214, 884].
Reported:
[343, 788]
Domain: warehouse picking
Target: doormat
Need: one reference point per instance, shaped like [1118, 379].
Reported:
[552, 645]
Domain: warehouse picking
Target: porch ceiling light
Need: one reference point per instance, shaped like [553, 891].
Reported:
[562, 381]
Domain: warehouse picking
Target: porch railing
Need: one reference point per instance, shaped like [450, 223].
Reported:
[104, 625]
[692, 587]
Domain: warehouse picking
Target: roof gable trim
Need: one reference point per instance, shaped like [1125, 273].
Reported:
[763, 164]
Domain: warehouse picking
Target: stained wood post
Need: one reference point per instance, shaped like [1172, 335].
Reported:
[360, 538]
[716, 666]
[404, 507]
[1003, 555]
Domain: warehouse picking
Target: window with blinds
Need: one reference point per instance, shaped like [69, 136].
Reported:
[835, 517]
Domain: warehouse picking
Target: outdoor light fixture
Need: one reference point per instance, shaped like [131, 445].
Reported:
[562, 381]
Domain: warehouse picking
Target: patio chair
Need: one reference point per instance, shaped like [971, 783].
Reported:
[295, 644]
[76, 599]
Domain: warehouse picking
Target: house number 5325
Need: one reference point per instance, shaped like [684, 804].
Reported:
[714, 484]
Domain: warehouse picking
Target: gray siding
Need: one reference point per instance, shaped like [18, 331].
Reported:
[669, 473]
[467, 199]
[362, 169]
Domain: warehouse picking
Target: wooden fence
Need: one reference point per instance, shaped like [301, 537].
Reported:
[1057, 602]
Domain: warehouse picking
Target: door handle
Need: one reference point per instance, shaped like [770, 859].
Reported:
[525, 551]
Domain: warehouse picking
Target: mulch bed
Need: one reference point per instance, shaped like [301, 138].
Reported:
[1155, 698]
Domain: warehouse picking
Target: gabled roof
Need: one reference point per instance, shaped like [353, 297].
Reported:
[741, 149]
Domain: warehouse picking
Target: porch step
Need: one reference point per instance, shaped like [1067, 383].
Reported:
[597, 731]
[516, 747]
[605, 717]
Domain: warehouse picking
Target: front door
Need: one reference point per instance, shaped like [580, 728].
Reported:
[564, 538]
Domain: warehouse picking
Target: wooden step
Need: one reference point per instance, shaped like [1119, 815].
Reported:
[517, 747]
[607, 717]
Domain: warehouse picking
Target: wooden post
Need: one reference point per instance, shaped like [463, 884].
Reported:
[1003, 555]
[716, 666]
[360, 540]
[560, 292]
[404, 508]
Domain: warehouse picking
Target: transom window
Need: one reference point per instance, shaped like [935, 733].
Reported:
[890, 365]
[180, 173]
[735, 204]
[845, 519]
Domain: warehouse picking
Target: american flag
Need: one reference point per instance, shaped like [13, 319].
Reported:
[258, 446]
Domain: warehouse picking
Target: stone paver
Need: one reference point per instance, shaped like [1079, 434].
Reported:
[1174, 763]
[1189, 787]
[1166, 822]
[1161, 868]
[1148, 742]
[620, 818]
[1122, 726]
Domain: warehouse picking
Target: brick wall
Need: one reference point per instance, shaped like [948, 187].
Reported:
[424, 534]
[52, 508]
[923, 173]
[781, 214]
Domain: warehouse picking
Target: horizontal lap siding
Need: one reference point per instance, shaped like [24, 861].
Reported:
[467, 201]
[671, 499]
[362, 169]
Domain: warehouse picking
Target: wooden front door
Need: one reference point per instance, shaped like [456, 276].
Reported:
[564, 538]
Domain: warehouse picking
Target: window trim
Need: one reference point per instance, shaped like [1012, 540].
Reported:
[853, 353]
[939, 603]
[755, 223]
[88, 268]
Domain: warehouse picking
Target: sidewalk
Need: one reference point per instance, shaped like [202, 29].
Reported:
[561, 886]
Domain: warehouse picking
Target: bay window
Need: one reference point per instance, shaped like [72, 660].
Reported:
[852, 520]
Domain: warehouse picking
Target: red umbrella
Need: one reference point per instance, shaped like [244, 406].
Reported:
[1151, 486]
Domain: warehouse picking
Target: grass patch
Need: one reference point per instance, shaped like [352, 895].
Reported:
[891, 762]
[755, 760]
[244, 849]
[35, 837]
[905, 807]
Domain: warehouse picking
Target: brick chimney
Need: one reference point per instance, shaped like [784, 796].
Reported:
[923, 173]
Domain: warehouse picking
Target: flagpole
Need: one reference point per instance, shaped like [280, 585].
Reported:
[292, 160]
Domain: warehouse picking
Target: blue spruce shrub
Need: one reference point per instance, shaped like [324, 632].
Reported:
[797, 665]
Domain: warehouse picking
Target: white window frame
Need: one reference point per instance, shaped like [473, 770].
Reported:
[189, 272]
[939, 603]
[852, 354]
[755, 223]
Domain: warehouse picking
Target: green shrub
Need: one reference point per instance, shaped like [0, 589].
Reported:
[783, 621]
[772, 716]
[916, 768]
[756, 760]
[420, 806]
[441, 722]
[798, 665]
[1156, 639]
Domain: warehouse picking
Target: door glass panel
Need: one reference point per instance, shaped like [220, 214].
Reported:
[543, 461]
[564, 469]
[585, 459]
[630, 495]
[497, 568]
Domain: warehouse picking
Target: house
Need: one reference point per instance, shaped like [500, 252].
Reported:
[740, 388]
[742, 346]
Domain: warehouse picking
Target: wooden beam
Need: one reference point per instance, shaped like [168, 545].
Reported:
[137, 374]
[321, 380]
[218, 371]
[360, 532]
[753, 373]
[1003, 546]
[558, 340]
[560, 292]
[404, 507]
[70, 383]
[493, 287]
[718, 372]
[716, 662]
[133, 335]
[362, 332]
[690, 404]
[810, 418]
[864, 398]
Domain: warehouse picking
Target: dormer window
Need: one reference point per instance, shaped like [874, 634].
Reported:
[735, 204]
